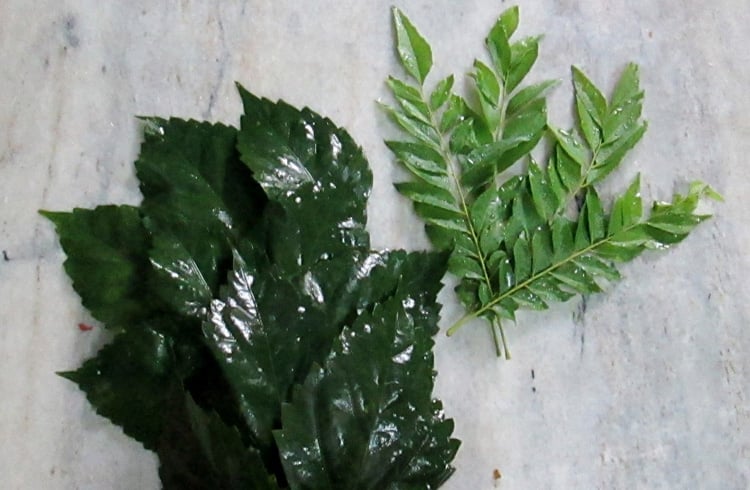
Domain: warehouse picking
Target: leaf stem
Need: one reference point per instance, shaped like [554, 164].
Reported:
[510, 292]
[506, 351]
[452, 165]
[498, 347]
[501, 128]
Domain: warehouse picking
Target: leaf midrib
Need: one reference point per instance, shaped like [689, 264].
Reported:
[534, 277]
[458, 192]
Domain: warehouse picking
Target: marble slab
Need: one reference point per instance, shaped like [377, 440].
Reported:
[646, 386]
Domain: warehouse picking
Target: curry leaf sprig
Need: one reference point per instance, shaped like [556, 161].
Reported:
[258, 341]
[524, 239]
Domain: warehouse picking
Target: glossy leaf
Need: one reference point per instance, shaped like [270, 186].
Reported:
[315, 173]
[544, 197]
[498, 43]
[508, 20]
[266, 334]
[571, 145]
[413, 50]
[628, 86]
[612, 154]
[178, 278]
[523, 54]
[199, 450]
[528, 95]
[484, 161]
[627, 209]
[112, 239]
[375, 384]
[206, 401]
[442, 92]
[489, 94]
[192, 179]
[131, 381]
[589, 100]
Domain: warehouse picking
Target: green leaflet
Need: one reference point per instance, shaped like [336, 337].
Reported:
[232, 282]
[544, 235]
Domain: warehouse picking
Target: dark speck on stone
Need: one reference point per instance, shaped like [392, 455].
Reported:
[5, 256]
[69, 32]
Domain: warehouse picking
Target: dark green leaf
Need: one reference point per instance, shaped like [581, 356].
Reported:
[528, 127]
[454, 113]
[485, 209]
[464, 138]
[567, 168]
[204, 452]
[366, 419]
[418, 155]
[619, 252]
[487, 83]
[680, 224]
[464, 266]
[315, 173]
[484, 293]
[622, 118]
[107, 251]
[482, 162]
[506, 277]
[131, 381]
[581, 238]
[179, 282]
[266, 333]
[494, 260]
[555, 181]
[523, 218]
[196, 190]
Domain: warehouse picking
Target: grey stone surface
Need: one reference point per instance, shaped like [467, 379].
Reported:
[643, 387]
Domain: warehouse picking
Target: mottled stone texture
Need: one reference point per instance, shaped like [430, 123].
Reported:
[644, 387]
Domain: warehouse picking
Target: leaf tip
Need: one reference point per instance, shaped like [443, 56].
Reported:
[69, 375]
[53, 216]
